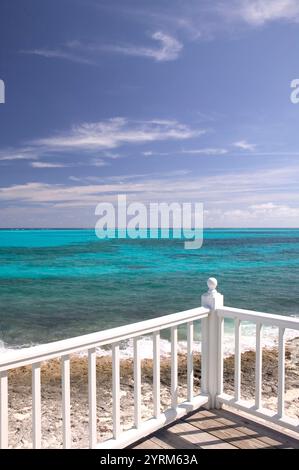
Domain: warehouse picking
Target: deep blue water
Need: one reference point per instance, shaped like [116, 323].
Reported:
[60, 283]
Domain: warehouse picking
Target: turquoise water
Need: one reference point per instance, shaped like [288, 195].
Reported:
[60, 283]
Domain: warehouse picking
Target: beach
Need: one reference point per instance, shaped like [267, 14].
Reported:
[20, 393]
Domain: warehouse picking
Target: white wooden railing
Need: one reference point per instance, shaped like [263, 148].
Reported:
[211, 316]
[218, 313]
[34, 357]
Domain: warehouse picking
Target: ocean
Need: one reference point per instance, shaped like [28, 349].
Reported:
[56, 284]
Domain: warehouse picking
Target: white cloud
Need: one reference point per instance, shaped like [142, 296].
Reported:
[170, 48]
[76, 51]
[236, 199]
[244, 145]
[261, 215]
[206, 151]
[47, 165]
[259, 12]
[278, 211]
[249, 188]
[22, 153]
[116, 132]
[97, 162]
[148, 153]
[98, 140]
[59, 54]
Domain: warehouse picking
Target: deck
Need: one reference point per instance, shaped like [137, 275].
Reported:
[217, 429]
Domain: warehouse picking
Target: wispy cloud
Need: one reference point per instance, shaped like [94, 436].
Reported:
[95, 143]
[250, 198]
[260, 12]
[170, 48]
[22, 153]
[47, 165]
[88, 53]
[206, 151]
[251, 188]
[62, 53]
[244, 145]
[116, 132]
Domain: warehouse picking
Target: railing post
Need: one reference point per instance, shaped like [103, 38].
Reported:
[214, 352]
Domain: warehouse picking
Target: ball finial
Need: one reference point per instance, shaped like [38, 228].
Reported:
[212, 283]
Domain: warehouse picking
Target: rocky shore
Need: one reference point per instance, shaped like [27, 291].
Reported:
[20, 393]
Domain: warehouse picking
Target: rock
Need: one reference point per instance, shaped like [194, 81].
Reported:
[21, 417]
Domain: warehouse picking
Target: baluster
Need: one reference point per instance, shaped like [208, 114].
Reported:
[3, 410]
[92, 397]
[116, 390]
[190, 372]
[137, 383]
[220, 355]
[237, 360]
[174, 367]
[258, 367]
[36, 406]
[204, 355]
[66, 402]
[281, 372]
[156, 373]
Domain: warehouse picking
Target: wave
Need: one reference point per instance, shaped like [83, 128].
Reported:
[247, 343]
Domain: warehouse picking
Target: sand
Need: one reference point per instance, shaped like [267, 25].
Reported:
[20, 415]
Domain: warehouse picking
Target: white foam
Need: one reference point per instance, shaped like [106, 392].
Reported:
[247, 343]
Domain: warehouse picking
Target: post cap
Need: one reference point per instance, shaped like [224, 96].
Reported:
[212, 283]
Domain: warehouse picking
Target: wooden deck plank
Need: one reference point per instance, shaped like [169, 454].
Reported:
[228, 433]
[267, 436]
[175, 440]
[162, 442]
[250, 432]
[148, 444]
[264, 431]
[216, 429]
[197, 437]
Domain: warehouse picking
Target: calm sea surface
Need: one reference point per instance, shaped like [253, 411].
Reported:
[60, 283]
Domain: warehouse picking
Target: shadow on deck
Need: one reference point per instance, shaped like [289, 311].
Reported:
[217, 429]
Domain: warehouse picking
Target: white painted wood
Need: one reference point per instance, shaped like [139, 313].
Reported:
[66, 402]
[137, 383]
[153, 424]
[220, 356]
[258, 367]
[281, 372]
[60, 348]
[264, 318]
[190, 371]
[156, 374]
[3, 410]
[237, 360]
[92, 397]
[214, 301]
[36, 406]
[174, 367]
[204, 355]
[116, 390]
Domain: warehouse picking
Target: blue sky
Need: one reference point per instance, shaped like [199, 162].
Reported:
[164, 100]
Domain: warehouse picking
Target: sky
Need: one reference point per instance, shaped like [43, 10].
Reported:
[164, 101]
